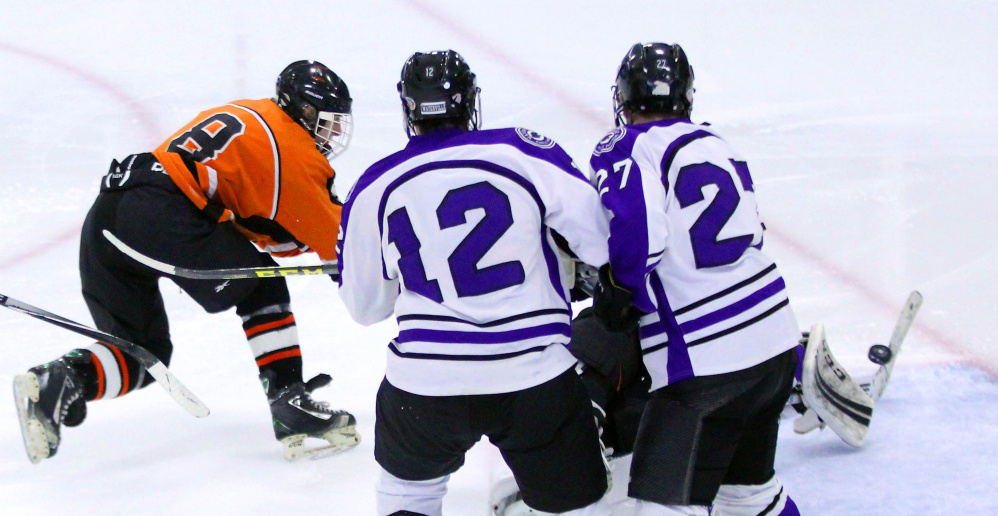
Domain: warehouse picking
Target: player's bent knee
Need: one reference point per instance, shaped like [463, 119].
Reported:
[752, 500]
[398, 497]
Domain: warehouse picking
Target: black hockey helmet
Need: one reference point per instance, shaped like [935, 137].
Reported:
[654, 78]
[315, 97]
[438, 85]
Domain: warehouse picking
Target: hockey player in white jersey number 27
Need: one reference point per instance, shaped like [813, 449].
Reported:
[717, 334]
[468, 236]
[717, 243]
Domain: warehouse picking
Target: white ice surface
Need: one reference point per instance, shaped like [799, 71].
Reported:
[871, 129]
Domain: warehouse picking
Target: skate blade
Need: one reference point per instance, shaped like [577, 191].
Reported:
[503, 493]
[36, 441]
[515, 506]
[339, 440]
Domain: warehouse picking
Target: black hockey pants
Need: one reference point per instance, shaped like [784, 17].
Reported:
[148, 212]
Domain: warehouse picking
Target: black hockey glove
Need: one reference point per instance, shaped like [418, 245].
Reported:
[612, 304]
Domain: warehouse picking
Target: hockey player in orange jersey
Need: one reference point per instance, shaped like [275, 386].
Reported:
[249, 172]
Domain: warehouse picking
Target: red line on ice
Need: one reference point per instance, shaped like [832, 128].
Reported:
[145, 120]
[890, 305]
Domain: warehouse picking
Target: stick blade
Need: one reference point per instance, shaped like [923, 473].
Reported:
[178, 391]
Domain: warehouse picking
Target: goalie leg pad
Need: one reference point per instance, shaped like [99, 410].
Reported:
[834, 396]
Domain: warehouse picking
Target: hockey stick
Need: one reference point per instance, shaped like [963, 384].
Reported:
[213, 274]
[879, 382]
[180, 393]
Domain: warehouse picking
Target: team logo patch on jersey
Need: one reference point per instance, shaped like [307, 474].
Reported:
[608, 141]
[535, 138]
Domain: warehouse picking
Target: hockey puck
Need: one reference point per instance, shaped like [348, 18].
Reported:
[880, 354]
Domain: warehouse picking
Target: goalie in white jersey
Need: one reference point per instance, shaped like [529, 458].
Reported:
[457, 235]
[717, 333]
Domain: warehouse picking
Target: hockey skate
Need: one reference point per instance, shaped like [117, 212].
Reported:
[297, 416]
[47, 397]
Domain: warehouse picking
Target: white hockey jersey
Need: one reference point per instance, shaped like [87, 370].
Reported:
[686, 239]
[454, 235]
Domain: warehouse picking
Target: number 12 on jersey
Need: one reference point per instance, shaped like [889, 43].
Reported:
[469, 279]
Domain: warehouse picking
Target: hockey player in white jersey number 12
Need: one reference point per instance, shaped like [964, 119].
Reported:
[716, 330]
[468, 237]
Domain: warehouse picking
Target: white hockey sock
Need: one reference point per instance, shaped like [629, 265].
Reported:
[752, 500]
[643, 508]
[420, 496]
[271, 330]
[112, 373]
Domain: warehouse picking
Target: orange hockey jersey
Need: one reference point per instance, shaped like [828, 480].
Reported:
[256, 162]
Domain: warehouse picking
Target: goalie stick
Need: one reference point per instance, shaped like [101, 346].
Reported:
[180, 393]
[213, 274]
[879, 381]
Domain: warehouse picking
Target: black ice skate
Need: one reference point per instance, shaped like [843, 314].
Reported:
[297, 416]
[47, 397]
